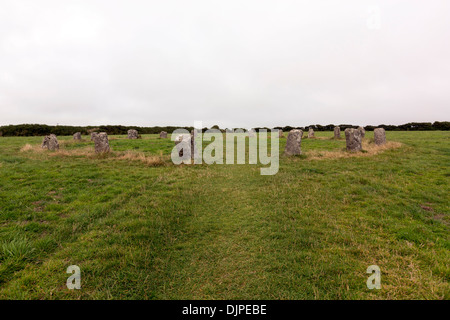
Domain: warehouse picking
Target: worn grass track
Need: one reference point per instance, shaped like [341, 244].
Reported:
[152, 230]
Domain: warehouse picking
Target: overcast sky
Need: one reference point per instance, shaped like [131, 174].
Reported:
[241, 63]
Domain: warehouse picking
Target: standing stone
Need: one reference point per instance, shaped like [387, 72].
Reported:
[310, 133]
[337, 132]
[180, 138]
[101, 143]
[293, 143]
[50, 142]
[280, 134]
[180, 147]
[77, 136]
[380, 136]
[163, 135]
[362, 131]
[93, 135]
[133, 134]
[184, 141]
[353, 139]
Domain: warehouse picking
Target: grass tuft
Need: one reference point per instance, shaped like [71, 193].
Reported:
[19, 249]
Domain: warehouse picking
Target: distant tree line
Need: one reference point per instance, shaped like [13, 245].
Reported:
[411, 126]
[42, 129]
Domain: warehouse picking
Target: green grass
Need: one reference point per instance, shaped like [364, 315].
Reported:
[224, 231]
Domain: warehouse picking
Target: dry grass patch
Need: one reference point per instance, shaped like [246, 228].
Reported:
[62, 152]
[150, 160]
[369, 149]
[28, 147]
[89, 152]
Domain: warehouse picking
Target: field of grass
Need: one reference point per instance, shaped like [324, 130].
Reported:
[140, 227]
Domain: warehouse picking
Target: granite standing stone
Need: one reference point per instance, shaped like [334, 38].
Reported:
[185, 138]
[380, 136]
[310, 133]
[184, 141]
[133, 134]
[353, 139]
[101, 143]
[77, 136]
[93, 135]
[50, 142]
[362, 131]
[337, 132]
[163, 135]
[293, 143]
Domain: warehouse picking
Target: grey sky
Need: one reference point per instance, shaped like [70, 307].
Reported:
[233, 63]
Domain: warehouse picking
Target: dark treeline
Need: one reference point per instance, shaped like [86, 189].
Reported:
[42, 129]
[412, 126]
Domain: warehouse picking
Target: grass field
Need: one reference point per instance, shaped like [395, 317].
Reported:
[140, 227]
